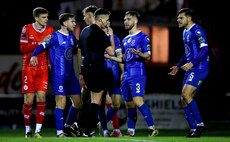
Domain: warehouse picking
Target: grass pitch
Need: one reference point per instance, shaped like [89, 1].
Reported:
[49, 135]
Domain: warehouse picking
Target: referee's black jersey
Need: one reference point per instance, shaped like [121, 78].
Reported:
[93, 42]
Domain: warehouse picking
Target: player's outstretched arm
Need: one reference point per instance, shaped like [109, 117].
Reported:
[47, 38]
[174, 70]
[138, 52]
[116, 59]
[187, 66]
[38, 50]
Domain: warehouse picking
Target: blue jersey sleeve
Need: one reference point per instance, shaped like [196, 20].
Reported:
[44, 45]
[117, 42]
[182, 61]
[117, 45]
[203, 52]
[201, 37]
[122, 48]
[146, 45]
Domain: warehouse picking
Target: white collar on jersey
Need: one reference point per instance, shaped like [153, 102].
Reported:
[35, 28]
[190, 27]
[63, 33]
[133, 34]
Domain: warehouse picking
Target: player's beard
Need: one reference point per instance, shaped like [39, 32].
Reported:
[129, 27]
[183, 25]
[70, 29]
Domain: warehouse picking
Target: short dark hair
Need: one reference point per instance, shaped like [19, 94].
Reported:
[38, 11]
[133, 13]
[90, 8]
[64, 17]
[189, 12]
[101, 11]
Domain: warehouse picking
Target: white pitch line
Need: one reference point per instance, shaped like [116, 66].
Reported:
[132, 140]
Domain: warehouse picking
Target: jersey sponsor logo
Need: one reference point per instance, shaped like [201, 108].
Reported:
[31, 37]
[133, 43]
[129, 40]
[69, 53]
[128, 55]
[187, 50]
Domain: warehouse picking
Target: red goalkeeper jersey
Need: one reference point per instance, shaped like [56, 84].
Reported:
[30, 36]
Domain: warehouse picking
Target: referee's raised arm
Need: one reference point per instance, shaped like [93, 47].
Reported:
[111, 49]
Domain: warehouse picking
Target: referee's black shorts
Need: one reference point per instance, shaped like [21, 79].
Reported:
[95, 77]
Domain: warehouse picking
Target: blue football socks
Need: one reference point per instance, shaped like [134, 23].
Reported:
[110, 114]
[132, 117]
[59, 118]
[73, 112]
[145, 111]
[190, 119]
[195, 112]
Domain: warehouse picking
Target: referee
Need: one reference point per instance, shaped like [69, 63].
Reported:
[93, 43]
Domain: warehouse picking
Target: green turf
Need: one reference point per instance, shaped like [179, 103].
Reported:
[49, 135]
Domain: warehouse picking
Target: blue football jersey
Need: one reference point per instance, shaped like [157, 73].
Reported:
[194, 39]
[61, 53]
[135, 65]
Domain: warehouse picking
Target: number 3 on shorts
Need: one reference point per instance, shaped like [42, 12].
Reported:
[138, 88]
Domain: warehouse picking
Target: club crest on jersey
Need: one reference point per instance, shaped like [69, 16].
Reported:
[69, 53]
[60, 89]
[147, 39]
[198, 32]
[25, 87]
